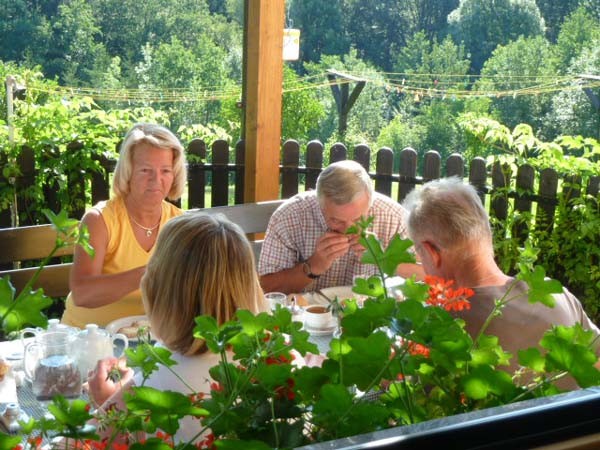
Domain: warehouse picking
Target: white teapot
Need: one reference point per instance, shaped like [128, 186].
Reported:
[94, 343]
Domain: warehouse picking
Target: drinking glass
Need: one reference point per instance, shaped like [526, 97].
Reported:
[276, 298]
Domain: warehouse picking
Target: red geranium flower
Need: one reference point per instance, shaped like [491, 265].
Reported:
[442, 294]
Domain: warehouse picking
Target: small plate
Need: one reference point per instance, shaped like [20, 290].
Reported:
[114, 326]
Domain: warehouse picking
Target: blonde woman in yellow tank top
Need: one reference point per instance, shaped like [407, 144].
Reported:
[123, 230]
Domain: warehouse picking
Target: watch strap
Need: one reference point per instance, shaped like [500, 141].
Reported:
[308, 272]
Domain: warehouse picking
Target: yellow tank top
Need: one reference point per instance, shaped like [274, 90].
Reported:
[123, 253]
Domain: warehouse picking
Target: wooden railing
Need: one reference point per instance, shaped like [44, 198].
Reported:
[221, 176]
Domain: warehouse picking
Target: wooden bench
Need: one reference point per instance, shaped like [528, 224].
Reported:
[34, 243]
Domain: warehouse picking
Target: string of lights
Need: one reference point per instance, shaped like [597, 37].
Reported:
[421, 85]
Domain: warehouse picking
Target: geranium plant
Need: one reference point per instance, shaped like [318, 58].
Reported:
[27, 307]
[395, 363]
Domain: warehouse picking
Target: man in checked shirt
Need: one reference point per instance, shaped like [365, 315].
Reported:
[305, 247]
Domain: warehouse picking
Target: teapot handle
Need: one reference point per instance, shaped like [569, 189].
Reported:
[121, 337]
[25, 332]
[29, 374]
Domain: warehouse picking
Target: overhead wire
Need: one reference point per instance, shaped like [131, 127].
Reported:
[453, 86]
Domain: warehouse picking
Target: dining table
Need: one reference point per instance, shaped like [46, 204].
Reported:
[16, 389]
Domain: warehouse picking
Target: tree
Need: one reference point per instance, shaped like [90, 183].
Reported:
[525, 57]
[554, 13]
[375, 29]
[302, 110]
[322, 28]
[424, 56]
[482, 25]
[572, 110]
[577, 31]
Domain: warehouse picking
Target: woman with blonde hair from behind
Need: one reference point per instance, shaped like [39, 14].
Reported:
[202, 265]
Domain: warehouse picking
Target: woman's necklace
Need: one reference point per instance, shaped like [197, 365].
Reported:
[148, 231]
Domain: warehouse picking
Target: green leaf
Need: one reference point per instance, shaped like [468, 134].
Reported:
[9, 442]
[24, 310]
[373, 286]
[540, 287]
[165, 407]
[364, 363]
[483, 381]
[148, 357]
[532, 358]
[415, 290]
[569, 349]
[396, 253]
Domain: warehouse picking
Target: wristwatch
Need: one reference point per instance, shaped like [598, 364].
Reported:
[308, 272]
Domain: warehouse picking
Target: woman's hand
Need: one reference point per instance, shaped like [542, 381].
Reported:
[108, 377]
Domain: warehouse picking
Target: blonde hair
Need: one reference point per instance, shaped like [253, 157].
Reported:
[202, 265]
[154, 136]
[343, 181]
[447, 211]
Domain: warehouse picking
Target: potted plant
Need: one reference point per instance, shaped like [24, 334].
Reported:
[395, 363]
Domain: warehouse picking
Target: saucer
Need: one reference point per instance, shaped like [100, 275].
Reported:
[320, 331]
[330, 328]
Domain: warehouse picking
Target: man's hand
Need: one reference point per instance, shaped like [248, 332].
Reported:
[329, 247]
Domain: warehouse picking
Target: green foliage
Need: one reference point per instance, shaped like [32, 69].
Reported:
[524, 57]
[301, 109]
[577, 32]
[412, 358]
[569, 250]
[27, 307]
[482, 26]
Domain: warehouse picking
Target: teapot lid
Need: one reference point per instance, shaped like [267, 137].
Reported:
[92, 331]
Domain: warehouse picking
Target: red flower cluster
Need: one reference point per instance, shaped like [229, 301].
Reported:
[286, 391]
[416, 349]
[442, 294]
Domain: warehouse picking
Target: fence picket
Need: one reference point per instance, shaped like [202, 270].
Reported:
[290, 162]
[220, 174]
[455, 166]
[432, 166]
[408, 172]
[501, 175]
[384, 168]
[544, 218]
[314, 163]
[362, 155]
[240, 169]
[478, 176]
[337, 152]
[196, 176]
[524, 192]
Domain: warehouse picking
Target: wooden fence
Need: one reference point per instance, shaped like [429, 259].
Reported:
[220, 176]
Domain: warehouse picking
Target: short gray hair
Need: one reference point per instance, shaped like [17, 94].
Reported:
[447, 211]
[342, 181]
[155, 136]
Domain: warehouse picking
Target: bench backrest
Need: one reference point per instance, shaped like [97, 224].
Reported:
[36, 242]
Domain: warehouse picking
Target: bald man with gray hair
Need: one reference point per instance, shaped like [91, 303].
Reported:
[452, 236]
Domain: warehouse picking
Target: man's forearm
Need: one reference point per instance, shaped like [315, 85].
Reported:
[287, 281]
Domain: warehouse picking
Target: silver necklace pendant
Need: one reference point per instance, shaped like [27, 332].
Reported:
[148, 233]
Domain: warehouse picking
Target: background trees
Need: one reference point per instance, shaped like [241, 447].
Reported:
[426, 61]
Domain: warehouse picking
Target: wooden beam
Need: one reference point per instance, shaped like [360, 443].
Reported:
[263, 80]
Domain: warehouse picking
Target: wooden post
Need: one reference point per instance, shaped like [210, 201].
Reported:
[263, 80]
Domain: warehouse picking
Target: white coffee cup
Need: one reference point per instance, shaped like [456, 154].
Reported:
[317, 317]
